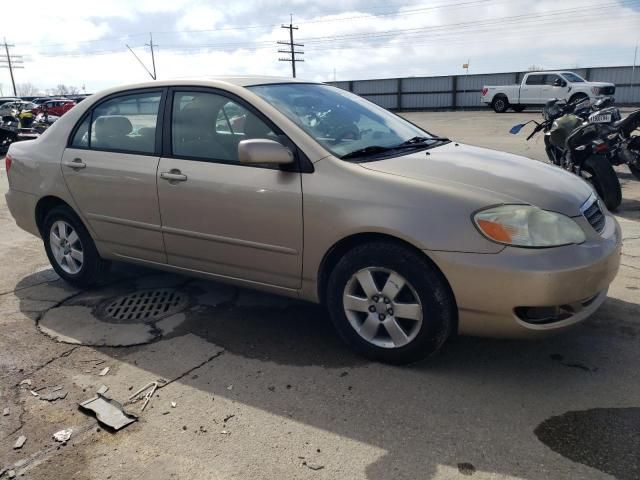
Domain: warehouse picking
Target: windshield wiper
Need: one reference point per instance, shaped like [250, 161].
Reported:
[363, 152]
[415, 142]
[421, 140]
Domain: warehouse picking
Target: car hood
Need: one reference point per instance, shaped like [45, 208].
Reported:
[506, 178]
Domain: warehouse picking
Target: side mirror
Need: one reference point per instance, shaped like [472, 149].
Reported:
[263, 151]
[516, 128]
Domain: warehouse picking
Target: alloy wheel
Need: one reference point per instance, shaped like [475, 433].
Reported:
[382, 307]
[66, 247]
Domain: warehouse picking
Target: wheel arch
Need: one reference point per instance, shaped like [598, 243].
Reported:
[44, 206]
[344, 245]
[573, 97]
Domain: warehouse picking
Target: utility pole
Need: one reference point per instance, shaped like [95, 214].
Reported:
[153, 60]
[292, 48]
[11, 62]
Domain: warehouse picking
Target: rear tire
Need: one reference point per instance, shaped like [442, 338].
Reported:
[604, 179]
[518, 108]
[70, 248]
[500, 104]
[368, 289]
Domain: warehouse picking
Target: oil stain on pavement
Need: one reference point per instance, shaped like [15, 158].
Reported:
[607, 439]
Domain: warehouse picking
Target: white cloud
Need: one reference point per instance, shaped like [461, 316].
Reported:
[447, 39]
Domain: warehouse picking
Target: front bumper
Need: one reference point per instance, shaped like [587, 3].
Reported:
[490, 287]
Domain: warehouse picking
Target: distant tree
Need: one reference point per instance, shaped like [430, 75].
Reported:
[63, 89]
[535, 68]
[27, 89]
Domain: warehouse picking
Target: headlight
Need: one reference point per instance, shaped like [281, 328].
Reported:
[527, 226]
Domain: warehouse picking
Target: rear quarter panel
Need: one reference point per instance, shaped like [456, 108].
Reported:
[35, 168]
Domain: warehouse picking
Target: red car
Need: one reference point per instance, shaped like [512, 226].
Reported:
[55, 107]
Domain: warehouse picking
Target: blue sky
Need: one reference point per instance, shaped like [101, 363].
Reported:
[84, 42]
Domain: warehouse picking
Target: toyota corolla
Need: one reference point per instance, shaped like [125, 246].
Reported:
[305, 190]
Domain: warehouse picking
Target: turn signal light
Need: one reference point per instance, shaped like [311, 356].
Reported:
[495, 231]
[7, 163]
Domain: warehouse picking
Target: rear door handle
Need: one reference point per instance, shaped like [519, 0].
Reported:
[77, 163]
[173, 176]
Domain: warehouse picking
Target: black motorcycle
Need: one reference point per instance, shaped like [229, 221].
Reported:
[578, 147]
[622, 134]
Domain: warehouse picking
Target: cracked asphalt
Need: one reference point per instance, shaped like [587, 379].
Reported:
[264, 389]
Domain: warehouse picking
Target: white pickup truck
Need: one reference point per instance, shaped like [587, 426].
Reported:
[538, 87]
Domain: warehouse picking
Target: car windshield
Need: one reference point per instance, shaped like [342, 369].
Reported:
[345, 124]
[572, 77]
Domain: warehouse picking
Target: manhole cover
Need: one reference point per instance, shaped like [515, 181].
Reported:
[143, 306]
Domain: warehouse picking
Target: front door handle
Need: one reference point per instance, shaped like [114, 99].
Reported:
[76, 164]
[174, 175]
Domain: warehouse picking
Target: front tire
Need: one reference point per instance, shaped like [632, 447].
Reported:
[70, 249]
[500, 104]
[578, 98]
[604, 179]
[390, 304]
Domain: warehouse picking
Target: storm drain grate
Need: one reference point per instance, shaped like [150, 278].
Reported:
[144, 305]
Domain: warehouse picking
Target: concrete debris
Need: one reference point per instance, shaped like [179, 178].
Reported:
[53, 396]
[230, 387]
[19, 442]
[63, 435]
[224, 432]
[12, 474]
[104, 371]
[26, 381]
[58, 388]
[103, 389]
[174, 404]
[313, 466]
[108, 412]
[35, 394]
[150, 388]
[5, 412]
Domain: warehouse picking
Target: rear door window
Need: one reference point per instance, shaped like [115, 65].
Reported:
[535, 80]
[127, 123]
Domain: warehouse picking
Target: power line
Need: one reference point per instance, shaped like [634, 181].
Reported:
[11, 62]
[292, 48]
[543, 18]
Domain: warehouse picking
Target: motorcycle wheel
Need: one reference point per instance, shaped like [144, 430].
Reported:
[604, 179]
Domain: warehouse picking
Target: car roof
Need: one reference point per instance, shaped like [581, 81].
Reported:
[217, 81]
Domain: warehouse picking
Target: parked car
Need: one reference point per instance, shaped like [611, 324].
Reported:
[14, 108]
[406, 237]
[9, 99]
[41, 100]
[538, 87]
[55, 107]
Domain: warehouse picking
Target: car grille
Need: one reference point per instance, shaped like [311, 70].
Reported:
[594, 215]
[607, 90]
